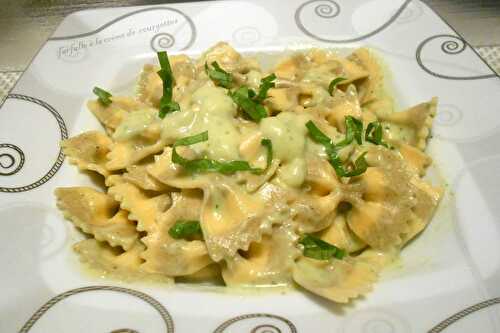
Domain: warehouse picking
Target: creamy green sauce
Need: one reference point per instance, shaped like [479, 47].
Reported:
[211, 110]
[293, 173]
[135, 123]
[288, 133]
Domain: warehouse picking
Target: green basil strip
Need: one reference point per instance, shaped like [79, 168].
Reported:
[183, 229]
[269, 147]
[354, 131]
[167, 105]
[205, 164]
[333, 84]
[243, 98]
[103, 96]
[319, 249]
[218, 75]
[265, 84]
[360, 165]
[373, 134]
[320, 137]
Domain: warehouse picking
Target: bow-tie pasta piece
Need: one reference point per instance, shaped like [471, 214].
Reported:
[316, 210]
[392, 195]
[428, 198]
[150, 85]
[371, 87]
[112, 115]
[411, 126]
[144, 206]
[88, 151]
[381, 215]
[231, 218]
[304, 79]
[268, 262]
[138, 175]
[111, 262]
[176, 257]
[97, 214]
[336, 280]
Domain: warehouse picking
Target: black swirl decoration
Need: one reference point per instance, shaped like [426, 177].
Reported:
[14, 159]
[11, 159]
[162, 311]
[464, 313]
[274, 324]
[450, 46]
[329, 10]
[162, 41]
[155, 41]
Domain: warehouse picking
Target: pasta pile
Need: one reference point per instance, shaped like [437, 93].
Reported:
[217, 171]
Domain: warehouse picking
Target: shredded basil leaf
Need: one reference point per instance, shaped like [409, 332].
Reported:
[183, 229]
[265, 84]
[360, 165]
[243, 98]
[333, 84]
[218, 75]
[167, 105]
[191, 140]
[102, 95]
[269, 147]
[373, 134]
[320, 137]
[205, 164]
[354, 131]
[319, 249]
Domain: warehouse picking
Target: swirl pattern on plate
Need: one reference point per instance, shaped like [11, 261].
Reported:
[329, 9]
[11, 161]
[273, 324]
[165, 315]
[464, 313]
[450, 45]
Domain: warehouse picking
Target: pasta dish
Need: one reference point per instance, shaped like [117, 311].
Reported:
[217, 170]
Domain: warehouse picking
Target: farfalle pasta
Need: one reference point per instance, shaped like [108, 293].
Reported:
[218, 170]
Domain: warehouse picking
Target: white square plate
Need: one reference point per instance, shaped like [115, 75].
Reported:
[453, 265]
